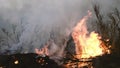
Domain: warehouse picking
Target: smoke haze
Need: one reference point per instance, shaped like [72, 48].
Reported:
[29, 24]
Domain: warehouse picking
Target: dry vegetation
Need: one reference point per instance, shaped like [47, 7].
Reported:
[110, 28]
[8, 38]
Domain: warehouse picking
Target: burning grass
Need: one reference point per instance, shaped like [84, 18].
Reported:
[91, 48]
[87, 45]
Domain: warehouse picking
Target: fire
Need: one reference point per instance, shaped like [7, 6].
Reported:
[87, 44]
[43, 51]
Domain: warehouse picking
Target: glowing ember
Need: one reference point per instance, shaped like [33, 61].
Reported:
[87, 45]
[16, 62]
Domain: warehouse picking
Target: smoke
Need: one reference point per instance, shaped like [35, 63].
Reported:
[29, 24]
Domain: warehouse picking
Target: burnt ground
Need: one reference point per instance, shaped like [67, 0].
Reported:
[107, 61]
[32, 60]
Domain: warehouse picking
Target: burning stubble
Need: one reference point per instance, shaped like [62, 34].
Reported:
[88, 45]
[26, 25]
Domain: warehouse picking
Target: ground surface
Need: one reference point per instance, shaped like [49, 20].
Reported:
[32, 60]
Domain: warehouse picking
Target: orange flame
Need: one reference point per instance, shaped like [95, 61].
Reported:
[87, 46]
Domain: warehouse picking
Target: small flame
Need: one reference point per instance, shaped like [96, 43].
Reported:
[87, 45]
[43, 51]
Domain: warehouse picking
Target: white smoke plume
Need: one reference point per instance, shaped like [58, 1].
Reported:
[29, 24]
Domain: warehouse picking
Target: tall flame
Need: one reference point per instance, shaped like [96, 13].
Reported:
[87, 45]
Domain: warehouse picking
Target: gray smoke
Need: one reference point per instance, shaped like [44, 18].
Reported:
[29, 24]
